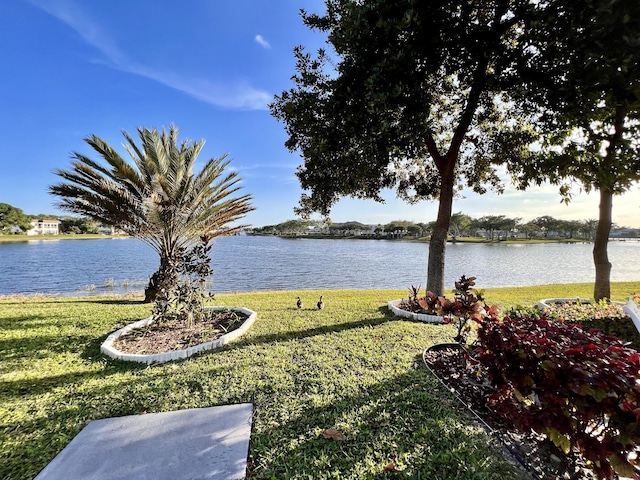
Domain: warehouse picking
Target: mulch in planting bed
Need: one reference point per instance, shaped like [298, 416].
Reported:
[539, 457]
[175, 334]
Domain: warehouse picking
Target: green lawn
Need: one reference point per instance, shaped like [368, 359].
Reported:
[351, 366]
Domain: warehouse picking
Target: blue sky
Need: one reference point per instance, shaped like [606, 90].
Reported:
[71, 68]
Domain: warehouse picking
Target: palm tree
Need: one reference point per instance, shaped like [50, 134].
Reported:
[157, 198]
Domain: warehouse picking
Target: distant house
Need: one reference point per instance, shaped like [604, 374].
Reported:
[44, 227]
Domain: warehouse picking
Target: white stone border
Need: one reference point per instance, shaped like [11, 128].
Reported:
[108, 348]
[631, 308]
[548, 302]
[423, 317]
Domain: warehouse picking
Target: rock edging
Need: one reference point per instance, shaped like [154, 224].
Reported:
[549, 302]
[109, 349]
[392, 305]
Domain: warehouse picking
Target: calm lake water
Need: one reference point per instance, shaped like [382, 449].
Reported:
[247, 263]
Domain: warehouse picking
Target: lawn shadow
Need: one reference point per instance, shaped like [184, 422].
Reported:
[302, 334]
[27, 321]
[116, 300]
[410, 422]
[92, 351]
[49, 431]
[86, 347]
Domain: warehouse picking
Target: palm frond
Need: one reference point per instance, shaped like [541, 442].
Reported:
[155, 197]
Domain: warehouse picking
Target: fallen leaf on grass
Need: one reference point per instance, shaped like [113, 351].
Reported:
[333, 433]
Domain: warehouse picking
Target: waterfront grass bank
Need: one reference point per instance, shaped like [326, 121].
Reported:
[70, 236]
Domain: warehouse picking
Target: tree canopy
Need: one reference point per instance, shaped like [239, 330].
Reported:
[581, 90]
[78, 225]
[11, 217]
[409, 98]
[493, 223]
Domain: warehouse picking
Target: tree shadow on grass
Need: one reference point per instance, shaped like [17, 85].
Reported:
[13, 389]
[408, 424]
[298, 334]
[18, 346]
[310, 332]
[27, 321]
[92, 350]
[407, 420]
[87, 347]
[116, 300]
[41, 435]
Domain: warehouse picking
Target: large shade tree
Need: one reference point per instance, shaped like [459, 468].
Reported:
[582, 90]
[156, 197]
[408, 98]
[497, 224]
[12, 217]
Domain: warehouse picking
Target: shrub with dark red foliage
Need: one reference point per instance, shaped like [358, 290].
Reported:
[580, 388]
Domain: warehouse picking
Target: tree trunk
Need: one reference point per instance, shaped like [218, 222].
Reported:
[151, 290]
[438, 242]
[602, 287]
[164, 279]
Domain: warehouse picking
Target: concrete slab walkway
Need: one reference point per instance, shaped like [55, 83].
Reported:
[197, 444]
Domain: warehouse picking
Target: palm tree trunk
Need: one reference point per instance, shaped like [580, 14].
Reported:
[151, 290]
[165, 279]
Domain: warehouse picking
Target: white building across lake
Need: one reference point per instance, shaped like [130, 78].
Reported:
[44, 227]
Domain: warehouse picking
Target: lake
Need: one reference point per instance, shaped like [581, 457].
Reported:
[249, 263]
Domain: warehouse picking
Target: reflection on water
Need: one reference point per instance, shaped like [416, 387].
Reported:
[246, 263]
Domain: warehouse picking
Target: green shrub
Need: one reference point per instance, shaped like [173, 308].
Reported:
[605, 316]
[580, 310]
[622, 328]
[186, 300]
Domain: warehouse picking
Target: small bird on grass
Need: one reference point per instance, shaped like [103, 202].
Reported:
[299, 303]
[321, 303]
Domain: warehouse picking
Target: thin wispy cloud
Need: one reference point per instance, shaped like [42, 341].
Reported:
[239, 96]
[262, 42]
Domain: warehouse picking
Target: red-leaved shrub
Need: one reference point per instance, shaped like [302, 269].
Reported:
[580, 388]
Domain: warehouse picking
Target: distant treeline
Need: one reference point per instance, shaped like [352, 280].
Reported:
[491, 227]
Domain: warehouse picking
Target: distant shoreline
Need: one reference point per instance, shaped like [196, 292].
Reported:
[518, 241]
[511, 241]
[72, 236]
